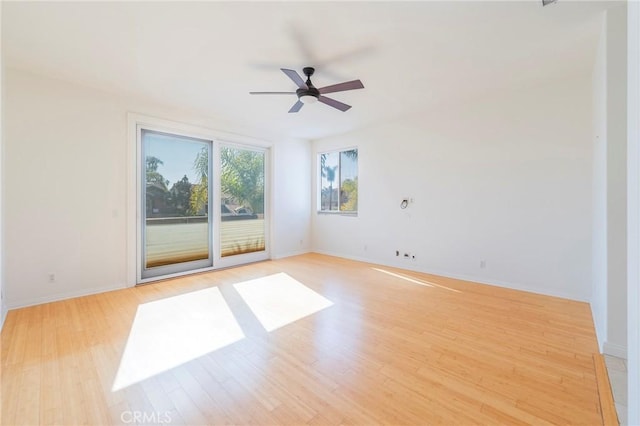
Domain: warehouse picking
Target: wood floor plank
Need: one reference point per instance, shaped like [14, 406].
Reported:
[393, 347]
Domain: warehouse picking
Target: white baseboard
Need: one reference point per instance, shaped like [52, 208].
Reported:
[601, 330]
[614, 349]
[520, 287]
[3, 315]
[496, 283]
[356, 258]
[289, 254]
[62, 296]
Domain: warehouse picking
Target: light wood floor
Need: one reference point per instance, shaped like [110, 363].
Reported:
[394, 347]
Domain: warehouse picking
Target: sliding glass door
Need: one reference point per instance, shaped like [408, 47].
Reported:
[176, 224]
[183, 227]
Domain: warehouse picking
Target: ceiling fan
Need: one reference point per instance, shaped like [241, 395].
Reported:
[307, 93]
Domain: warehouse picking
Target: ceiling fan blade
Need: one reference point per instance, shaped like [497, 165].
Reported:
[332, 102]
[301, 39]
[293, 75]
[341, 87]
[296, 107]
[344, 55]
[272, 93]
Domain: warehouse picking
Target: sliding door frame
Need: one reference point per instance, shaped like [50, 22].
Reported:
[135, 214]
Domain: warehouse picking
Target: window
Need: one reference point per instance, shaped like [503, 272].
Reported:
[339, 181]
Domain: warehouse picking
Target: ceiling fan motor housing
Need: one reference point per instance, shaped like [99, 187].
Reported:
[310, 90]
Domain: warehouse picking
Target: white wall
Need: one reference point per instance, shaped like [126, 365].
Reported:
[65, 181]
[3, 306]
[610, 185]
[616, 343]
[599, 254]
[291, 208]
[633, 232]
[505, 180]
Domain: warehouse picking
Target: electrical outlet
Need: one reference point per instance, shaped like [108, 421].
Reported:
[52, 278]
[483, 264]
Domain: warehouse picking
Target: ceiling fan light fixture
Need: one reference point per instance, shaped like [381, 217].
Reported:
[308, 99]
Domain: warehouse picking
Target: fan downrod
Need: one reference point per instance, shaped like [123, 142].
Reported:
[310, 90]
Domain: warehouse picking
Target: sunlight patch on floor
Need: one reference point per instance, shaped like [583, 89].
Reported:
[169, 332]
[278, 300]
[415, 280]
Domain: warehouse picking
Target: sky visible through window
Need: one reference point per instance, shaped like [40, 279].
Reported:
[339, 181]
[177, 162]
[348, 168]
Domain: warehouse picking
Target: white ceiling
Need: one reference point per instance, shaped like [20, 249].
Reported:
[207, 56]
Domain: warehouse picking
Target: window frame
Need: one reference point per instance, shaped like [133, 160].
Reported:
[338, 151]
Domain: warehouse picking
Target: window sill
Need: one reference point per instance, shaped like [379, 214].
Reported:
[337, 213]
